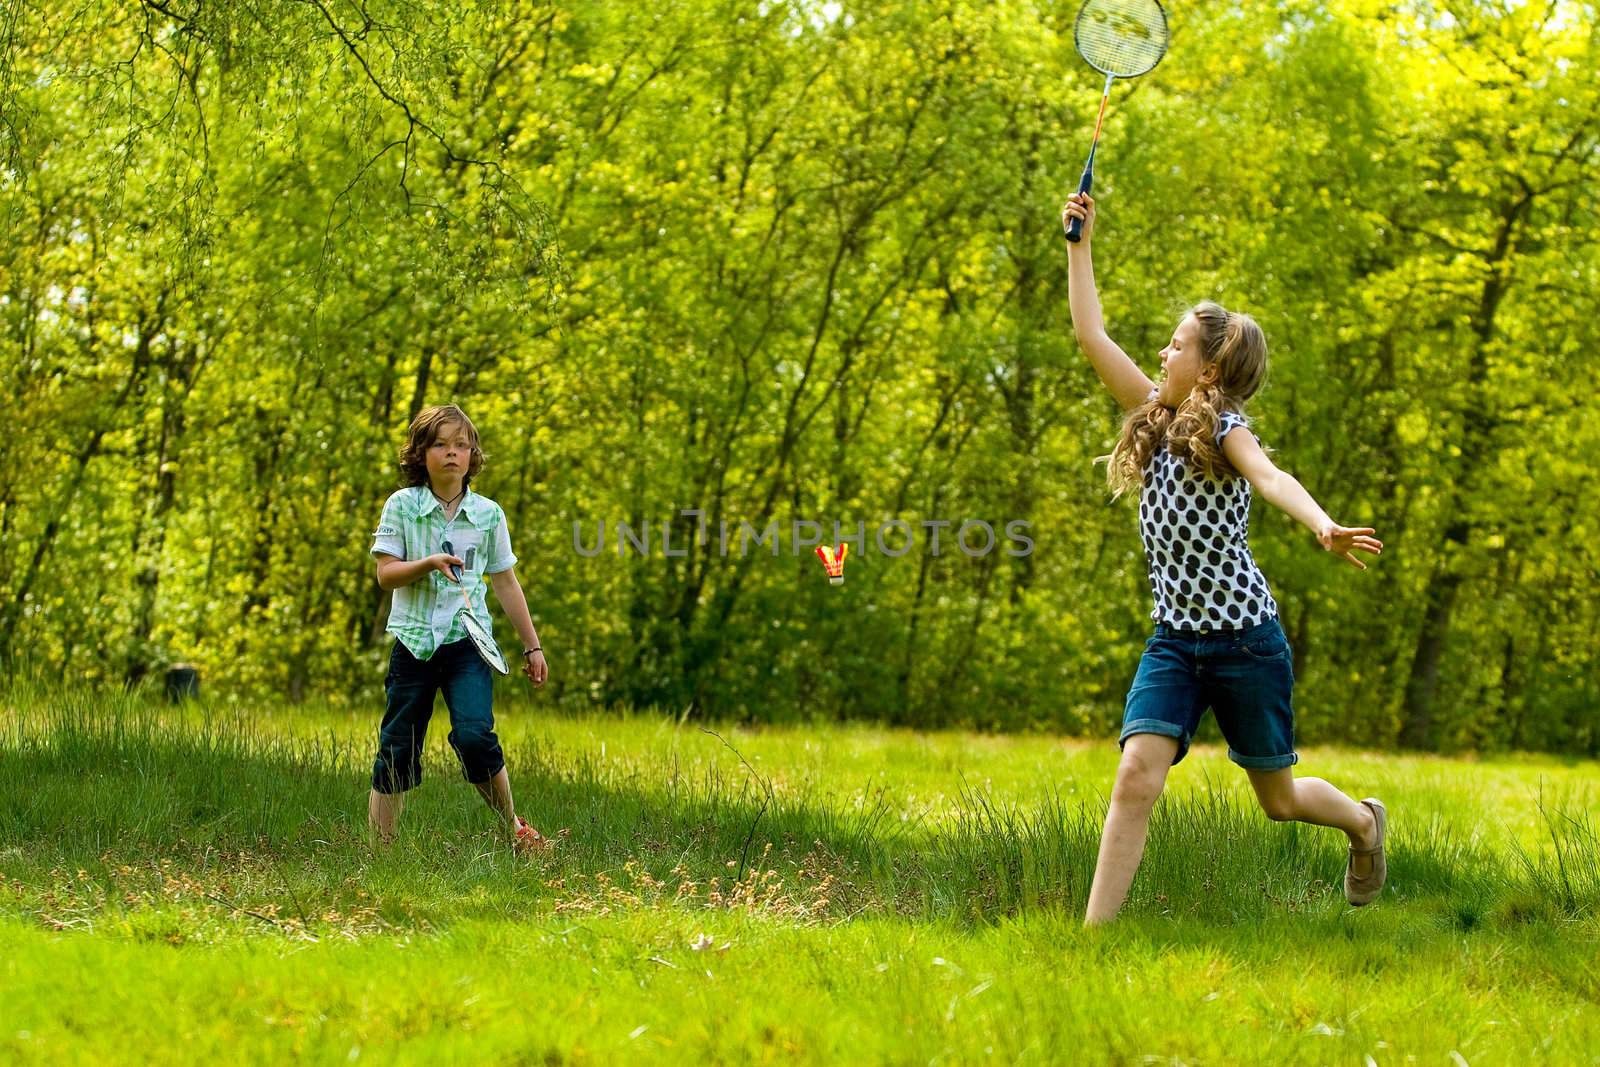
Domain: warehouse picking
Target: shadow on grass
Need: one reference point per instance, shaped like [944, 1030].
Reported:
[263, 828]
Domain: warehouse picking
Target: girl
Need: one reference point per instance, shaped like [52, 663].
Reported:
[431, 650]
[1217, 641]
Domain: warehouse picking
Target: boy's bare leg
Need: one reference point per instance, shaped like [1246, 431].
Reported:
[1146, 759]
[496, 793]
[383, 809]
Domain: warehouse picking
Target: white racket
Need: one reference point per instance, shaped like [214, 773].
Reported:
[1120, 39]
[482, 639]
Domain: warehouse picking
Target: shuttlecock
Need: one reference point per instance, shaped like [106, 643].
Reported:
[834, 562]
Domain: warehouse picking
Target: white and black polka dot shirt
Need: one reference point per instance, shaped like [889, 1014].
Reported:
[1196, 545]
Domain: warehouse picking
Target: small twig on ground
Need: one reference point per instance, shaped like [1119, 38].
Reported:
[766, 786]
[289, 888]
[253, 914]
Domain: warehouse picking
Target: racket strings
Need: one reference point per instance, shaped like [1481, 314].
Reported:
[484, 640]
[1121, 37]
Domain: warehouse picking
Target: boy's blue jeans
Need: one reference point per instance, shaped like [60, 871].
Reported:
[468, 693]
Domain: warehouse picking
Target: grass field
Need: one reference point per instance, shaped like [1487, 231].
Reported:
[198, 887]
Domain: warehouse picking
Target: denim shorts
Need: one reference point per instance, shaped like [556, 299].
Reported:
[1245, 676]
[410, 686]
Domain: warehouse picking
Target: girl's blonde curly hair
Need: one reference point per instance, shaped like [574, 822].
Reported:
[1233, 365]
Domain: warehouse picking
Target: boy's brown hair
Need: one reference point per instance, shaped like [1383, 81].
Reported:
[425, 431]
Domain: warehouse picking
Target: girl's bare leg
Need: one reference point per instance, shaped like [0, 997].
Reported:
[1141, 775]
[1284, 797]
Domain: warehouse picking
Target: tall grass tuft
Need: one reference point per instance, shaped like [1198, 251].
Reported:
[1568, 874]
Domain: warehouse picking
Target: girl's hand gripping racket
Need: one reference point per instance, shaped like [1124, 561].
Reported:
[1120, 39]
[482, 639]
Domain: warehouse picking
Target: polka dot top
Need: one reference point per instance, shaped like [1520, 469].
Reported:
[1196, 545]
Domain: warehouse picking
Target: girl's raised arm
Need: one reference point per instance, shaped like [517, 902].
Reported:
[1130, 385]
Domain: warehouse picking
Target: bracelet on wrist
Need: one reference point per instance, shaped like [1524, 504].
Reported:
[530, 651]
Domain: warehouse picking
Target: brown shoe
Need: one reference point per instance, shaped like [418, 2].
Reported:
[1362, 889]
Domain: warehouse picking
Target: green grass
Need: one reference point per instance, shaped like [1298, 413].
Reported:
[197, 885]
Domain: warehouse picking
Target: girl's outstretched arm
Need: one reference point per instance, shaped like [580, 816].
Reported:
[1283, 490]
[1130, 385]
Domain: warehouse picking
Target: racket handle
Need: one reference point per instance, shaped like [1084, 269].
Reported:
[1075, 227]
[455, 568]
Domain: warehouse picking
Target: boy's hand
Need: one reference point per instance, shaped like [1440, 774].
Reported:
[536, 668]
[443, 561]
[1079, 206]
[1342, 540]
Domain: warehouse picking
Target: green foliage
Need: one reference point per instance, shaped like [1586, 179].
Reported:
[781, 262]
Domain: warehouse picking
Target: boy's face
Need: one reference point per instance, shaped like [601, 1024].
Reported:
[450, 455]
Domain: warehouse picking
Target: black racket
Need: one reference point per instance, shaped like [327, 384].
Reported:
[1120, 39]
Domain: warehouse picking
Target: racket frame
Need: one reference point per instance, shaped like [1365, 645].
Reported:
[1086, 182]
[474, 626]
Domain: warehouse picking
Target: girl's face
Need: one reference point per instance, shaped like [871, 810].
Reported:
[1181, 364]
[450, 454]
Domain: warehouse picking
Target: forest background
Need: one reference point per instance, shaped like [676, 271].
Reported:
[777, 263]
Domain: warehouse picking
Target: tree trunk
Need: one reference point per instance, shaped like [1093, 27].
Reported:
[181, 372]
[11, 614]
[1476, 447]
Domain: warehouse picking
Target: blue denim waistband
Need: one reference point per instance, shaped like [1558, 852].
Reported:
[1167, 630]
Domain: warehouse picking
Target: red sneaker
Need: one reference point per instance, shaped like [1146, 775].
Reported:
[527, 839]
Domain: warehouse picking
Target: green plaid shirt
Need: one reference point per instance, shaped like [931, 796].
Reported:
[413, 526]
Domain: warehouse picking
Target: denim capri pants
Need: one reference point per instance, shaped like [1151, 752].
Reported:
[1245, 676]
[410, 686]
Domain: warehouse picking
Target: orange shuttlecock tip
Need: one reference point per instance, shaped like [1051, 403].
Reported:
[833, 562]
